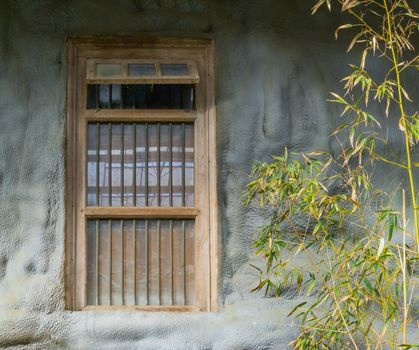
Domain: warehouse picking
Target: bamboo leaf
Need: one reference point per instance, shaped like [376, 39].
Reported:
[344, 26]
[380, 247]
[296, 308]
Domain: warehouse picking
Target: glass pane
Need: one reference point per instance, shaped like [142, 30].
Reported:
[177, 166]
[141, 164]
[92, 164]
[104, 165]
[141, 69]
[141, 96]
[108, 69]
[116, 166]
[189, 166]
[128, 164]
[165, 171]
[105, 95]
[141, 171]
[93, 93]
[153, 166]
[174, 69]
[116, 97]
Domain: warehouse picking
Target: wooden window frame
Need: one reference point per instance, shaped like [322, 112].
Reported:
[199, 51]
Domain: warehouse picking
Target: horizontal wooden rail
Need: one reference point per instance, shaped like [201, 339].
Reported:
[141, 212]
[149, 308]
[145, 80]
[137, 115]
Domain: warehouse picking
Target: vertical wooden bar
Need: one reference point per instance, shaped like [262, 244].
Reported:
[183, 166]
[159, 258]
[134, 223]
[190, 262]
[170, 166]
[134, 166]
[123, 263]
[146, 164]
[110, 261]
[184, 261]
[97, 161]
[171, 263]
[158, 166]
[147, 262]
[122, 174]
[110, 164]
[97, 262]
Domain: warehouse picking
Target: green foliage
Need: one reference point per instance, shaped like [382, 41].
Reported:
[362, 272]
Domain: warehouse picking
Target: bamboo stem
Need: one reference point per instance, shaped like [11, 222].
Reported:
[404, 125]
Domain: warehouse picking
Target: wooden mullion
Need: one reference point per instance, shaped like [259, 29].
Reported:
[138, 115]
[167, 79]
[141, 212]
[149, 308]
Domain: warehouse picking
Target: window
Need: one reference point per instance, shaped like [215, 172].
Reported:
[141, 209]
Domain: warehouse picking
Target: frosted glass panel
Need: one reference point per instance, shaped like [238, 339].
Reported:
[144, 69]
[108, 69]
[174, 69]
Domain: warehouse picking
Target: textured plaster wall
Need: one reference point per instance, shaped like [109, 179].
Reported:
[275, 65]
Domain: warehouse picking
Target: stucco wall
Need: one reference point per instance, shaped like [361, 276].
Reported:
[275, 65]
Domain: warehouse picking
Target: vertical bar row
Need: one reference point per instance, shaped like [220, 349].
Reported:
[140, 262]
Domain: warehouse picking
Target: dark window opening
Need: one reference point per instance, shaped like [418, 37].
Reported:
[141, 96]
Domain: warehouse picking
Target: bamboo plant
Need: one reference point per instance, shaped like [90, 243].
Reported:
[360, 287]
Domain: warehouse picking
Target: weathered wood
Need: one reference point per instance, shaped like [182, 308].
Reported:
[204, 212]
[140, 212]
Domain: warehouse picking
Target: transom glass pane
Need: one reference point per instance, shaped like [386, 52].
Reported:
[174, 69]
[141, 69]
[108, 69]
